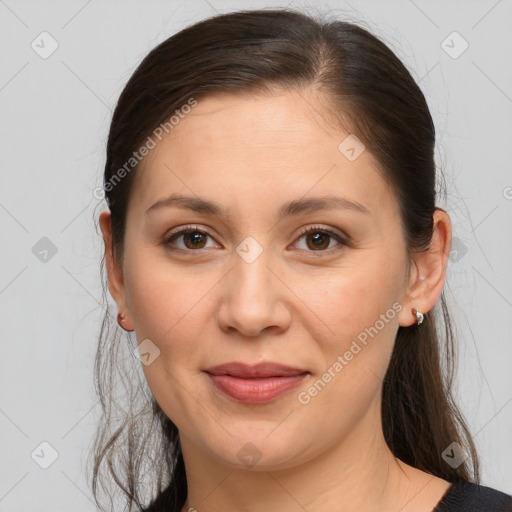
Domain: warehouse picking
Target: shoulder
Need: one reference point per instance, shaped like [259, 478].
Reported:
[465, 496]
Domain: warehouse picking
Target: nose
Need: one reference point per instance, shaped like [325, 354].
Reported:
[254, 298]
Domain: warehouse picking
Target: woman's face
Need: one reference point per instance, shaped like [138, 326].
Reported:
[246, 285]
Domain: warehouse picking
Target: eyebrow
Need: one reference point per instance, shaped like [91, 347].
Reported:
[295, 207]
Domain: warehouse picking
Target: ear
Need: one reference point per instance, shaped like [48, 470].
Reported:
[114, 270]
[428, 271]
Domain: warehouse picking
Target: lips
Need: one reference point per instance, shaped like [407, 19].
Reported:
[259, 383]
[261, 370]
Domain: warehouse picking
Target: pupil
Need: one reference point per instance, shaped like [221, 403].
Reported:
[195, 237]
[319, 240]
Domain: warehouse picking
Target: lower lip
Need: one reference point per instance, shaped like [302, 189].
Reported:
[257, 390]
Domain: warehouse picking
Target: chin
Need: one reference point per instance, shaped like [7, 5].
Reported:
[257, 452]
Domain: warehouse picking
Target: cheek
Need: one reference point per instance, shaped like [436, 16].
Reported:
[357, 310]
[348, 300]
[355, 351]
[169, 309]
[164, 300]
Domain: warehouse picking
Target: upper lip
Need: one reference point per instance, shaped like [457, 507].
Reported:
[260, 370]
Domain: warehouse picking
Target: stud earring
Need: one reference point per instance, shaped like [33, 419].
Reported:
[120, 318]
[419, 316]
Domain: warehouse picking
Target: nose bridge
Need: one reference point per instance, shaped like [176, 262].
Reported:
[251, 298]
[250, 277]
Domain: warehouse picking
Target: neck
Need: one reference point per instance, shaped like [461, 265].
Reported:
[358, 473]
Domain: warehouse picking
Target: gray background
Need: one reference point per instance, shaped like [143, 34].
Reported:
[55, 113]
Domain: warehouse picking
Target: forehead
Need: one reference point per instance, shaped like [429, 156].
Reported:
[280, 142]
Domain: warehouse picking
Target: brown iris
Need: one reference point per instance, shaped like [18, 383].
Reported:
[196, 238]
[320, 240]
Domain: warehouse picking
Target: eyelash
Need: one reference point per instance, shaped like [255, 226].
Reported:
[312, 229]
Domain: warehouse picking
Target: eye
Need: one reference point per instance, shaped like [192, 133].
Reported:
[192, 238]
[319, 239]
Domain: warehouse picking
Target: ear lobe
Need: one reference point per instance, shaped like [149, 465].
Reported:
[428, 270]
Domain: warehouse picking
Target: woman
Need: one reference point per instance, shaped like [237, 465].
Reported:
[273, 242]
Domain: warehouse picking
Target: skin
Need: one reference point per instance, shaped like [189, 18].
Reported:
[294, 304]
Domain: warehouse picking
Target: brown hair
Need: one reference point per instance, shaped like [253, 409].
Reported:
[371, 94]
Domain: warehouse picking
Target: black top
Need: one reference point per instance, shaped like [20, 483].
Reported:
[460, 497]
[468, 497]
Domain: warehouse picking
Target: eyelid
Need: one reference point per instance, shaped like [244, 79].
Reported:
[318, 227]
[185, 228]
[340, 237]
[182, 230]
